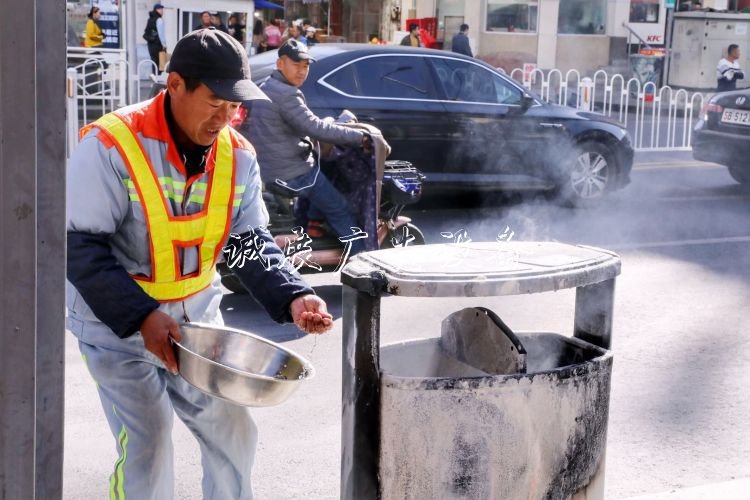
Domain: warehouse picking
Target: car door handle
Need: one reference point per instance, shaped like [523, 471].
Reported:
[552, 125]
[366, 118]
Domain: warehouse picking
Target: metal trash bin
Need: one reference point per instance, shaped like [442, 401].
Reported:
[488, 413]
[457, 424]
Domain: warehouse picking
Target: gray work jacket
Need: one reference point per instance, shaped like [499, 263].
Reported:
[281, 131]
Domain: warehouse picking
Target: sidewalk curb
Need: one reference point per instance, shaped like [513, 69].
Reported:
[736, 489]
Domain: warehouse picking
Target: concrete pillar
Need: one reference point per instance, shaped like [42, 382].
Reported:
[32, 249]
[547, 41]
[426, 8]
[474, 16]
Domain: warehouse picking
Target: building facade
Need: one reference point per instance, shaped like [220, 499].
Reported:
[565, 34]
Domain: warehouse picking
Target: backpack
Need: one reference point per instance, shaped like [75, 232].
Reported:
[150, 34]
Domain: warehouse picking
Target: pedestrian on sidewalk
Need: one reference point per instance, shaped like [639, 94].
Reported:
[460, 42]
[205, 20]
[272, 34]
[237, 28]
[156, 39]
[94, 33]
[728, 70]
[412, 39]
[136, 270]
[217, 22]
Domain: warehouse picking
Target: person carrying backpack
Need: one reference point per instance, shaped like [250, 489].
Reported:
[154, 35]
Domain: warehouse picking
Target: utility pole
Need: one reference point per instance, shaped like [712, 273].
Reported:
[670, 4]
[32, 249]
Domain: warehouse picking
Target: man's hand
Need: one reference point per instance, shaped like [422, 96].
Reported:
[156, 330]
[310, 314]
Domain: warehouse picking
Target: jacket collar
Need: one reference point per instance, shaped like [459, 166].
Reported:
[276, 75]
[155, 126]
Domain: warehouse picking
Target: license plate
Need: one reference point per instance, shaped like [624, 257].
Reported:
[736, 116]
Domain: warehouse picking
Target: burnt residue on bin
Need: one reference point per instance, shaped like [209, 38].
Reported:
[540, 434]
[589, 440]
[470, 460]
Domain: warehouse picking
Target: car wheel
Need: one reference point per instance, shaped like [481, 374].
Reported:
[229, 280]
[593, 173]
[398, 236]
[740, 175]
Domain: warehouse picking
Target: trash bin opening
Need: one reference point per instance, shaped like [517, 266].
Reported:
[546, 352]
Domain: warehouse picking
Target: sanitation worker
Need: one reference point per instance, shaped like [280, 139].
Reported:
[156, 191]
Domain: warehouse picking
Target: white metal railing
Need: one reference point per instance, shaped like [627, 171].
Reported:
[98, 82]
[659, 119]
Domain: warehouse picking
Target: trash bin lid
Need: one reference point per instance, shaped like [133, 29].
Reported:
[480, 269]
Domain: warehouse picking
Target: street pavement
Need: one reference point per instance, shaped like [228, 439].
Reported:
[678, 425]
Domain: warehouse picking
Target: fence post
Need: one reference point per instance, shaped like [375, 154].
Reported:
[72, 109]
[123, 82]
[586, 93]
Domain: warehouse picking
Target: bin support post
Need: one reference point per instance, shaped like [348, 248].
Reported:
[360, 404]
[593, 316]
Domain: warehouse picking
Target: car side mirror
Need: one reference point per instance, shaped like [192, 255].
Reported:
[526, 102]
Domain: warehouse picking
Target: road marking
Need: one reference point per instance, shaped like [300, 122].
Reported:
[679, 243]
[675, 164]
[703, 198]
[729, 490]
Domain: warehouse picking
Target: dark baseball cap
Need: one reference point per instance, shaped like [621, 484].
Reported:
[295, 50]
[218, 61]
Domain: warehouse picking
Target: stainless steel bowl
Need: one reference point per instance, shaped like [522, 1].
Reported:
[239, 367]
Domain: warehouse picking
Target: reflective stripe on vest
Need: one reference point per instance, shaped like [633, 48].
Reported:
[167, 233]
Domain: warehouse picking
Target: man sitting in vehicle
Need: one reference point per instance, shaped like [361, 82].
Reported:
[281, 131]
[728, 70]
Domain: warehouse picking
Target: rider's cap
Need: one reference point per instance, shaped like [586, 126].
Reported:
[295, 50]
[217, 60]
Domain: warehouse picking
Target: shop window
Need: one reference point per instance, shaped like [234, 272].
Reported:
[644, 11]
[512, 15]
[582, 17]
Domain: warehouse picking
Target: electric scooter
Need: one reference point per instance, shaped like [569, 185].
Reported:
[401, 186]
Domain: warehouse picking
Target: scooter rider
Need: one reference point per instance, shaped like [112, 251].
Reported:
[154, 192]
[281, 130]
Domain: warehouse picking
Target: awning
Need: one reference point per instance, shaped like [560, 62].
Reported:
[263, 4]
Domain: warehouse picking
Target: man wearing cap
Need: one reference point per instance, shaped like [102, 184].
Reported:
[282, 129]
[310, 32]
[294, 32]
[156, 192]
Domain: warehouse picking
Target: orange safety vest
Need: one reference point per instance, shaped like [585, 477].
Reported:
[168, 233]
